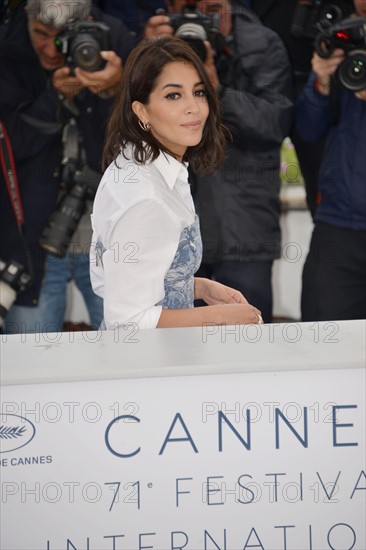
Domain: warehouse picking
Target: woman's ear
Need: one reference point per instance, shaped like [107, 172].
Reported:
[139, 110]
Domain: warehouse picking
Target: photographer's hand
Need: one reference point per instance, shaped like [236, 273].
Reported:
[158, 25]
[104, 81]
[325, 68]
[67, 85]
[361, 95]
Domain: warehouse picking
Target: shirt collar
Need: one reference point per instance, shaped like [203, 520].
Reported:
[171, 169]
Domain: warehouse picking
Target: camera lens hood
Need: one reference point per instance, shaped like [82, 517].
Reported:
[191, 30]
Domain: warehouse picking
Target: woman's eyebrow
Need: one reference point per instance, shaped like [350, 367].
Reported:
[171, 85]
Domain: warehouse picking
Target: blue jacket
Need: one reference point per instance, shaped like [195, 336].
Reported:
[25, 89]
[342, 177]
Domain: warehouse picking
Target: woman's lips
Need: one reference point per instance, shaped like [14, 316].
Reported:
[194, 125]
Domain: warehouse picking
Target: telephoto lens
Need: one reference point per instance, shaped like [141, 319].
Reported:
[62, 224]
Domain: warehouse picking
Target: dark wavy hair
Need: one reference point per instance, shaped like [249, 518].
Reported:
[143, 67]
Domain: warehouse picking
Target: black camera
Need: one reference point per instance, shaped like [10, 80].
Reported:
[13, 279]
[62, 224]
[349, 35]
[193, 26]
[310, 15]
[81, 42]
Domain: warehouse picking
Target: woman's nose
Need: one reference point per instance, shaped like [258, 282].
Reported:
[193, 106]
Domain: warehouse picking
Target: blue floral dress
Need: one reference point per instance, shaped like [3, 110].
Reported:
[179, 280]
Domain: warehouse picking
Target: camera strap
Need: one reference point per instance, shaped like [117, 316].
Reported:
[11, 180]
[10, 176]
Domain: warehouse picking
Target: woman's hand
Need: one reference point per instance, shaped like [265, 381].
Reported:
[214, 293]
[235, 308]
[238, 314]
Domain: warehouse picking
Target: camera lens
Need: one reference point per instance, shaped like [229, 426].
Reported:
[332, 12]
[62, 224]
[195, 35]
[352, 72]
[85, 53]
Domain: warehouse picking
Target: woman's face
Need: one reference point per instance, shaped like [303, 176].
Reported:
[177, 109]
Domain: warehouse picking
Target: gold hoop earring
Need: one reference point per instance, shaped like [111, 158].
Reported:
[145, 126]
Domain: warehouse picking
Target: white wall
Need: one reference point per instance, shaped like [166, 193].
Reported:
[296, 228]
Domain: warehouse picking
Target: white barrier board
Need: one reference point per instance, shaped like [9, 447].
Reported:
[267, 460]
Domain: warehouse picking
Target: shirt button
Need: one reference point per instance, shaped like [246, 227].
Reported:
[89, 110]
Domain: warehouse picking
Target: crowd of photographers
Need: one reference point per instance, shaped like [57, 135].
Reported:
[55, 115]
[56, 90]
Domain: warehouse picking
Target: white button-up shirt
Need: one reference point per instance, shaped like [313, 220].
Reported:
[139, 213]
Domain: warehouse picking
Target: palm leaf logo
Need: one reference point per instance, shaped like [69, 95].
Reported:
[15, 432]
[11, 432]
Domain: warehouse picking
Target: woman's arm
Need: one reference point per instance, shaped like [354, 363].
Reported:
[223, 314]
[226, 306]
[138, 256]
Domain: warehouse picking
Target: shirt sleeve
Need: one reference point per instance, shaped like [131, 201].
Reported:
[140, 251]
[313, 115]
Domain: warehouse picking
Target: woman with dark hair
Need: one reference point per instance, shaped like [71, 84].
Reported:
[146, 243]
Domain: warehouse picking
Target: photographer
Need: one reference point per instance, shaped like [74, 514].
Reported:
[281, 17]
[334, 276]
[239, 206]
[41, 94]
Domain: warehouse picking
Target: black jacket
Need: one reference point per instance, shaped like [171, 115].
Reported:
[25, 89]
[239, 206]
